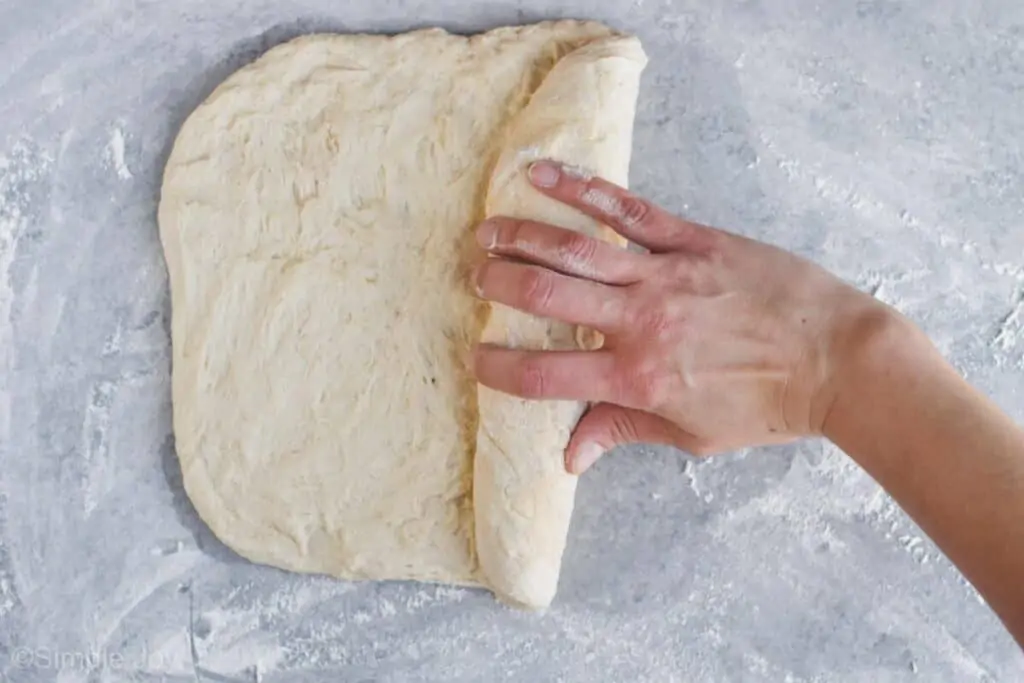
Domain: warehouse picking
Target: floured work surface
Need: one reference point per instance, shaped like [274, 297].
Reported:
[317, 219]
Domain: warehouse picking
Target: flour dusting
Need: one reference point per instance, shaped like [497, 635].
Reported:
[1009, 337]
[845, 136]
[115, 154]
[607, 204]
[578, 172]
[21, 170]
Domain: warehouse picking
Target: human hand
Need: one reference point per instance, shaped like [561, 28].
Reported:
[712, 341]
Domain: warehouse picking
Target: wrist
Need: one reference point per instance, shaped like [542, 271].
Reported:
[866, 337]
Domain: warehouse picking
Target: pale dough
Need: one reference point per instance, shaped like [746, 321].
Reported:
[317, 219]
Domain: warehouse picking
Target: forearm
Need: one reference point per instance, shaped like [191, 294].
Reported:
[713, 341]
[944, 452]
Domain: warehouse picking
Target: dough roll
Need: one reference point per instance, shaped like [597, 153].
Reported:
[581, 114]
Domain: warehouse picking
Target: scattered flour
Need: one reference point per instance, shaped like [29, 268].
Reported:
[1008, 340]
[527, 156]
[95, 444]
[231, 648]
[115, 154]
[690, 470]
[1012, 270]
[21, 168]
[7, 596]
[577, 172]
[608, 205]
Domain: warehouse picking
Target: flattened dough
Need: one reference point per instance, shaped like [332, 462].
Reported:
[317, 219]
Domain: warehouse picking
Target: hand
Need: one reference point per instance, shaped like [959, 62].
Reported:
[712, 341]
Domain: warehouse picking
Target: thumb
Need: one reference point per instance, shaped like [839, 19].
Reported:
[606, 426]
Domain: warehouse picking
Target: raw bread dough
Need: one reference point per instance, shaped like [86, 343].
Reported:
[317, 219]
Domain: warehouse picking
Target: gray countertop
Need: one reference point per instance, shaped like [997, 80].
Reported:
[883, 140]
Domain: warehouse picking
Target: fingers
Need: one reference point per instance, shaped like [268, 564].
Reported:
[563, 250]
[569, 375]
[606, 426]
[549, 294]
[632, 217]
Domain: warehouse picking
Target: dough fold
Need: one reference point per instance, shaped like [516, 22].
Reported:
[582, 114]
[317, 216]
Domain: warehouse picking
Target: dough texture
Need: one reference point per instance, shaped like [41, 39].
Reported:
[317, 219]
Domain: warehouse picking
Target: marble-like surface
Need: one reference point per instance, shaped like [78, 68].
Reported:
[884, 139]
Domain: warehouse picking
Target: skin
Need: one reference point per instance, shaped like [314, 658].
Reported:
[715, 342]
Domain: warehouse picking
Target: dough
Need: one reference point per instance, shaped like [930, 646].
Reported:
[317, 218]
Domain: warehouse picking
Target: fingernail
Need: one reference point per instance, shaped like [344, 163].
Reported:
[544, 174]
[586, 455]
[487, 235]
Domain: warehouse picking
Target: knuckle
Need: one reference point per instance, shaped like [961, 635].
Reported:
[653, 320]
[532, 380]
[623, 428]
[633, 210]
[708, 241]
[641, 385]
[713, 257]
[688, 274]
[681, 267]
[537, 289]
[575, 248]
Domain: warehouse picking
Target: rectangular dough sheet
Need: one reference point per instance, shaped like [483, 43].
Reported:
[317, 218]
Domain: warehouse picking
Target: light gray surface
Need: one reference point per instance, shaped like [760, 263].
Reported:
[884, 141]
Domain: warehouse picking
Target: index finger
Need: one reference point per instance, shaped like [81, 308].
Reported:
[631, 216]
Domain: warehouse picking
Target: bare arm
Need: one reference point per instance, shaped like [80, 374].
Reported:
[714, 342]
[944, 452]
